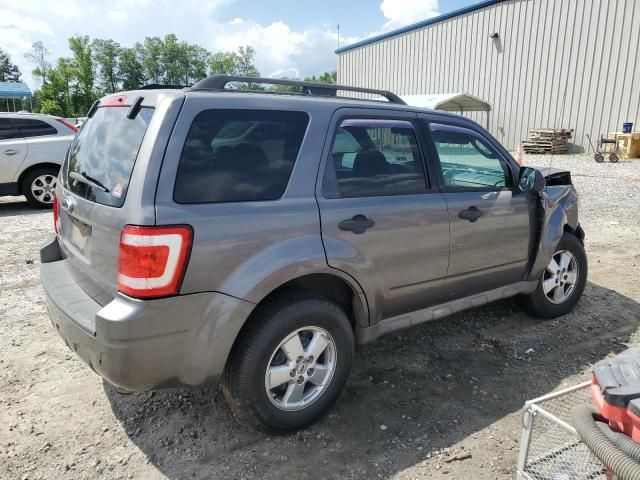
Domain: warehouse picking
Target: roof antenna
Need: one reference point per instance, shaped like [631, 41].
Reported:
[564, 98]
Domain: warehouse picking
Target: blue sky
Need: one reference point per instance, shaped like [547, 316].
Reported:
[291, 37]
[355, 17]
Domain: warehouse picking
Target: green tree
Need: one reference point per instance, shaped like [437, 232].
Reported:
[285, 88]
[198, 58]
[83, 72]
[236, 63]
[244, 62]
[131, 69]
[9, 72]
[39, 56]
[326, 77]
[150, 54]
[56, 94]
[223, 63]
[105, 57]
[51, 107]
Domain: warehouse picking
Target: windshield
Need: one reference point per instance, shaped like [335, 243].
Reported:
[103, 153]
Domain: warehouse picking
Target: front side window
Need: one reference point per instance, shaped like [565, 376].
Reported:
[239, 155]
[372, 157]
[467, 160]
[34, 128]
[7, 130]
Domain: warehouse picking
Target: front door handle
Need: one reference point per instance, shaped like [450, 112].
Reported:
[358, 224]
[472, 214]
[10, 151]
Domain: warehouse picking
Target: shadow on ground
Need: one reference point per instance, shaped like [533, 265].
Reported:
[431, 386]
[18, 206]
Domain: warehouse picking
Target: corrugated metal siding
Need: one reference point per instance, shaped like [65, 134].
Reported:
[557, 63]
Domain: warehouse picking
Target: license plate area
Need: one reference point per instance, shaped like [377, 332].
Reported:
[80, 233]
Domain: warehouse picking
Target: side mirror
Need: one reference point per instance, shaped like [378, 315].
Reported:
[531, 180]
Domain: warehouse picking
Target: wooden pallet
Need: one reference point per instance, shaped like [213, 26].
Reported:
[547, 140]
[551, 133]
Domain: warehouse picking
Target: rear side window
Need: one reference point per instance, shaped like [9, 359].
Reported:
[103, 153]
[34, 128]
[373, 158]
[239, 155]
[7, 130]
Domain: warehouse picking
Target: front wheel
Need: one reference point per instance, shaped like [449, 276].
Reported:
[290, 364]
[562, 282]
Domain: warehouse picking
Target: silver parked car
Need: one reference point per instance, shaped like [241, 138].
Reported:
[32, 149]
[212, 234]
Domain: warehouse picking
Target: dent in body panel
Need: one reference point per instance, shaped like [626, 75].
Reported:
[560, 208]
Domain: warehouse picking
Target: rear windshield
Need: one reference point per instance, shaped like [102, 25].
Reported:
[239, 155]
[103, 153]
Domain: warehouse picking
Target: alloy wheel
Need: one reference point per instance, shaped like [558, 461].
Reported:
[43, 187]
[300, 368]
[560, 278]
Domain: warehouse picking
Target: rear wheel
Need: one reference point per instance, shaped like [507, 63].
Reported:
[290, 365]
[613, 158]
[562, 282]
[39, 185]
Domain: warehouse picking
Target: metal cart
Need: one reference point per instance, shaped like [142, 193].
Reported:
[605, 146]
[549, 446]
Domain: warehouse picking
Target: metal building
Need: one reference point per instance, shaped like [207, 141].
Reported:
[539, 63]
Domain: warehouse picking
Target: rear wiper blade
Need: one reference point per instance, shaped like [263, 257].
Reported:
[84, 178]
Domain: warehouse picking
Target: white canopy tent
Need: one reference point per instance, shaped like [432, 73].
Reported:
[449, 102]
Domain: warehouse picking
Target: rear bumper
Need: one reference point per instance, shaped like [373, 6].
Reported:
[143, 344]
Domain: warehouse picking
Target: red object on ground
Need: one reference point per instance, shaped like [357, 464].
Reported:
[620, 418]
[615, 390]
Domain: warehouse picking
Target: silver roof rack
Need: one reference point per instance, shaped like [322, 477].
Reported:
[218, 82]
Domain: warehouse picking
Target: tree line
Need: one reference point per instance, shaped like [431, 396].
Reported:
[96, 67]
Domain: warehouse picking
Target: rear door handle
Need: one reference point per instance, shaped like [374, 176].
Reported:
[358, 224]
[10, 151]
[472, 214]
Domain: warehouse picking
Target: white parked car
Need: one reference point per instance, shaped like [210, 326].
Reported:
[32, 149]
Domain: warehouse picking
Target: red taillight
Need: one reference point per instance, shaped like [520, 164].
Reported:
[56, 216]
[152, 260]
[67, 124]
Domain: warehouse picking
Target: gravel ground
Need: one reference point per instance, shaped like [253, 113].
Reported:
[438, 400]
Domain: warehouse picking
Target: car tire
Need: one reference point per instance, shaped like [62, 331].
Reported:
[39, 186]
[561, 284]
[268, 352]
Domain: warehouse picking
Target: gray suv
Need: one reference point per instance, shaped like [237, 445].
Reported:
[254, 238]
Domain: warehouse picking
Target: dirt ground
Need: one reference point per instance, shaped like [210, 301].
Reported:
[415, 399]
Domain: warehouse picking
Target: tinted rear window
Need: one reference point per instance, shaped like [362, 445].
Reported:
[105, 150]
[239, 155]
[34, 128]
[7, 130]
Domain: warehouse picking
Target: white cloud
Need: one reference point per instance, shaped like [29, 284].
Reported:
[281, 50]
[17, 32]
[405, 12]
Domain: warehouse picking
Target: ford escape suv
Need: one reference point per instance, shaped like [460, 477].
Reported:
[214, 233]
